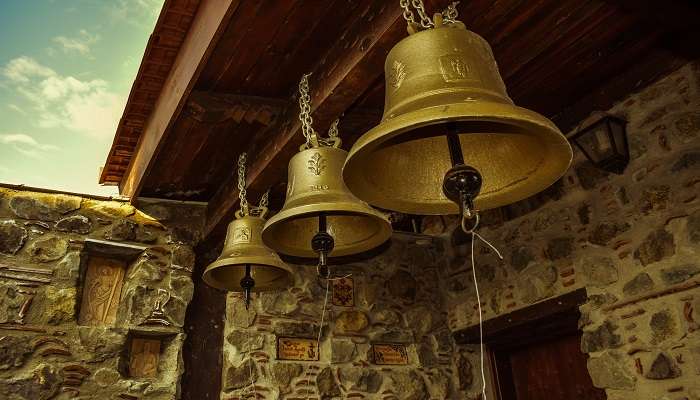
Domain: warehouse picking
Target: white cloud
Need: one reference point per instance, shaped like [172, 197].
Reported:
[17, 108]
[26, 144]
[80, 44]
[129, 9]
[85, 106]
[21, 69]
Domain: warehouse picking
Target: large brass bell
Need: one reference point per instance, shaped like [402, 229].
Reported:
[445, 104]
[316, 195]
[243, 254]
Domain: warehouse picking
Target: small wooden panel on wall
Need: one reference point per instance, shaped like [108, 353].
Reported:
[143, 357]
[101, 291]
[297, 349]
[390, 354]
[344, 292]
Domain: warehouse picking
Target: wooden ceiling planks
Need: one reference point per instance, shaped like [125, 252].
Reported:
[553, 54]
[159, 56]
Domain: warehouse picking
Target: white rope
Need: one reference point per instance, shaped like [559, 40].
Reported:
[478, 302]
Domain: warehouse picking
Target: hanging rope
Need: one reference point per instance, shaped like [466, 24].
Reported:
[241, 183]
[474, 236]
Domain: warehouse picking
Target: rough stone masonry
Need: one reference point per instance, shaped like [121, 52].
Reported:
[631, 240]
[93, 296]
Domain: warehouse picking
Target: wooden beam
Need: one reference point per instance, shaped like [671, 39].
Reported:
[337, 81]
[521, 325]
[210, 21]
[214, 108]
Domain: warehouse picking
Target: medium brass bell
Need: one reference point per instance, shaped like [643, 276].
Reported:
[318, 201]
[244, 255]
[446, 107]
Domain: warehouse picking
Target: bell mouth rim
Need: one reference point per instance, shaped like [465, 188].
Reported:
[484, 111]
[308, 210]
[285, 274]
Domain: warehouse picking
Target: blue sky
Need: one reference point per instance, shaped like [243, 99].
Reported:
[66, 68]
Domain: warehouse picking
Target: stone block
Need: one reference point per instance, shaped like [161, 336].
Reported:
[663, 367]
[12, 237]
[328, 388]
[48, 249]
[609, 371]
[602, 338]
[44, 207]
[679, 274]
[238, 377]
[658, 245]
[639, 284]
[606, 231]
[79, 224]
[599, 271]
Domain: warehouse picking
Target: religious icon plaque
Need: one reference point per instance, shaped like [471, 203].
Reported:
[101, 291]
[344, 292]
[390, 354]
[297, 349]
[144, 356]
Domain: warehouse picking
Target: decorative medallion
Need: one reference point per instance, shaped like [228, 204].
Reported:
[344, 292]
[398, 73]
[241, 235]
[390, 354]
[297, 349]
[317, 164]
[454, 68]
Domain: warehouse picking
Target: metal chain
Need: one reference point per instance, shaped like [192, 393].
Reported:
[264, 200]
[305, 110]
[333, 130]
[425, 21]
[407, 13]
[450, 14]
[241, 183]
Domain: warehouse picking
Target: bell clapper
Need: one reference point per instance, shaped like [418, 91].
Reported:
[322, 243]
[247, 283]
[462, 183]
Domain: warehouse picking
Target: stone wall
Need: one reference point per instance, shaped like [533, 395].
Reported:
[93, 296]
[396, 300]
[631, 240]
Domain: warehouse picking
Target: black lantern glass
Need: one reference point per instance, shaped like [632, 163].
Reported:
[604, 143]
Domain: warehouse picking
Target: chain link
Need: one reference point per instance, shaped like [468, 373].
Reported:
[241, 183]
[305, 111]
[425, 21]
[407, 13]
[333, 130]
[449, 15]
[264, 200]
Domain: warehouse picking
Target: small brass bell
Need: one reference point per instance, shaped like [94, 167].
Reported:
[244, 250]
[320, 215]
[315, 189]
[446, 109]
[246, 264]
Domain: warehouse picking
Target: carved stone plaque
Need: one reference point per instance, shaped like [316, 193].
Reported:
[297, 349]
[390, 354]
[101, 291]
[144, 356]
[344, 292]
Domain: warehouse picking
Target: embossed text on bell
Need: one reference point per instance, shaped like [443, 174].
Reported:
[446, 77]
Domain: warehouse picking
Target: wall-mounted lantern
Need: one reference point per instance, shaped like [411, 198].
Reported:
[604, 142]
